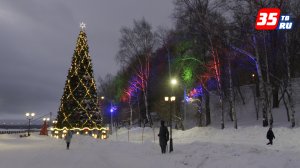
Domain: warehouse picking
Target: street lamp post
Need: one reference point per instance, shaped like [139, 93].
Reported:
[173, 83]
[54, 122]
[111, 119]
[170, 99]
[29, 116]
[44, 130]
[46, 120]
[112, 110]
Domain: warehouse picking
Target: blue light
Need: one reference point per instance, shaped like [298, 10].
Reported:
[196, 92]
[113, 108]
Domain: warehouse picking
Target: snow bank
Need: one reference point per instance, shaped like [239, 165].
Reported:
[197, 147]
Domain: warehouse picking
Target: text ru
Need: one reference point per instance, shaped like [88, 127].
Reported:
[285, 25]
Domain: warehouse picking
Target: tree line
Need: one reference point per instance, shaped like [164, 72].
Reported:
[212, 49]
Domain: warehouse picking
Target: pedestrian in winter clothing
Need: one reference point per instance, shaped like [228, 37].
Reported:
[163, 136]
[270, 136]
[68, 138]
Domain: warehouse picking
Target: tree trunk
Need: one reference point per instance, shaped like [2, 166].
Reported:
[291, 104]
[131, 111]
[289, 82]
[218, 76]
[262, 88]
[286, 106]
[148, 116]
[256, 103]
[275, 97]
[222, 110]
[139, 109]
[238, 88]
[269, 93]
[207, 107]
[231, 99]
[241, 95]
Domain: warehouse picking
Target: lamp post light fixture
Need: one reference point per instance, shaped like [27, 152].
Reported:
[29, 116]
[46, 119]
[54, 122]
[173, 82]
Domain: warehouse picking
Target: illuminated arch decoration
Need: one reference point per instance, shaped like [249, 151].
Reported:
[79, 106]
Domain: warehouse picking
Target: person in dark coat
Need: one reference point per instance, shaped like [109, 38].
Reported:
[68, 138]
[270, 136]
[163, 136]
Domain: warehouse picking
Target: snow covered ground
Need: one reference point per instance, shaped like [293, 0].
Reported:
[195, 148]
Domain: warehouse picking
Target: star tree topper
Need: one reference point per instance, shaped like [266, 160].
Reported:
[82, 26]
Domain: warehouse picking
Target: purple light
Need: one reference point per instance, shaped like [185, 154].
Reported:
[196, 92]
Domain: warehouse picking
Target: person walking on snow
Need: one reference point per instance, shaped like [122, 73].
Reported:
[163, 137]
[270, 136]
[68, 138]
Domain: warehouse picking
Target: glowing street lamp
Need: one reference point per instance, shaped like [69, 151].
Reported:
[54, 122]
[173, 82]
[29, 116]
[46, 119]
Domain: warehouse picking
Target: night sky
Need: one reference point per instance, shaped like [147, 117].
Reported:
[38, 38]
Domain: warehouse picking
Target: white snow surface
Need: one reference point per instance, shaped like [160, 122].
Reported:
[195, 148]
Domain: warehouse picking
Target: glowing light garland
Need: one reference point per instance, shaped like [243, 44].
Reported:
[131, 90]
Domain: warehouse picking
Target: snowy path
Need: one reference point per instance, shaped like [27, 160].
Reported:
[195, 148]
[85, 152]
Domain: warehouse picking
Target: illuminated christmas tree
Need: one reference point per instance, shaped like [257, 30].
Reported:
[79, 107]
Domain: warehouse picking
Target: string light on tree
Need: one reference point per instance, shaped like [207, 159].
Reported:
[79, 106]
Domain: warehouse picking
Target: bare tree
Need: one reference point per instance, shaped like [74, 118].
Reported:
[268, 49]
[136, 48]
[201, 19]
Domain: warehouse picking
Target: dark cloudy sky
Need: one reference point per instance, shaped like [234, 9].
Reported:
[37, 40]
